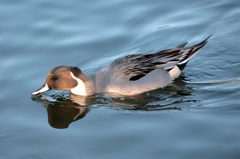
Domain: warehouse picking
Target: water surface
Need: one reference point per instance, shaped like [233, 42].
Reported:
[195, 117]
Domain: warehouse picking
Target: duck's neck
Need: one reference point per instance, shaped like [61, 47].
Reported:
[85, 85]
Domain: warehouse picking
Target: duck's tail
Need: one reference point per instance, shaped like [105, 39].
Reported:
[190, 52]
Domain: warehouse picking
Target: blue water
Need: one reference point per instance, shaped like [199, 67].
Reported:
[198, 116]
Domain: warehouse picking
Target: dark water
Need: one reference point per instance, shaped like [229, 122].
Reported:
[198, 116]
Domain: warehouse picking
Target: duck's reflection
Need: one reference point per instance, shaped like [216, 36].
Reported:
[63, 110]
[61, 116]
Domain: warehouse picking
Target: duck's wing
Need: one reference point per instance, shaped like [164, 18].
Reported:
[133, 67]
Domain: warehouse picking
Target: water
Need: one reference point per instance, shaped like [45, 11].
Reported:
[195, 117]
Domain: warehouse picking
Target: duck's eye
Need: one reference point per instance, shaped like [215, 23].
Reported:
[54, 78]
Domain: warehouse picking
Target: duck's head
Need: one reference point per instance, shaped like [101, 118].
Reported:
[61, 78]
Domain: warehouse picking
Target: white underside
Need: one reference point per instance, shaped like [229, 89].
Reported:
[175, 72]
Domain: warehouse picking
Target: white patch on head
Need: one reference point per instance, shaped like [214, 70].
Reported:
[80, 89]
[175, 72]
[43, 89]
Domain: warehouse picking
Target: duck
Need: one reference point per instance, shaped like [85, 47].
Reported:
[129, 75]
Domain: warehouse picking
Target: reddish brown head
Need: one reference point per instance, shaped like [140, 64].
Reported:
[60, 78]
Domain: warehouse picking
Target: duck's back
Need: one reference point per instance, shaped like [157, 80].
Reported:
[138, 73]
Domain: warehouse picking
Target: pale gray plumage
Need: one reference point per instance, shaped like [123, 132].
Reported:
[129, 75]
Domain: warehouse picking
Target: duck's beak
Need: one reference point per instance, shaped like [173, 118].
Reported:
[42, 89]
